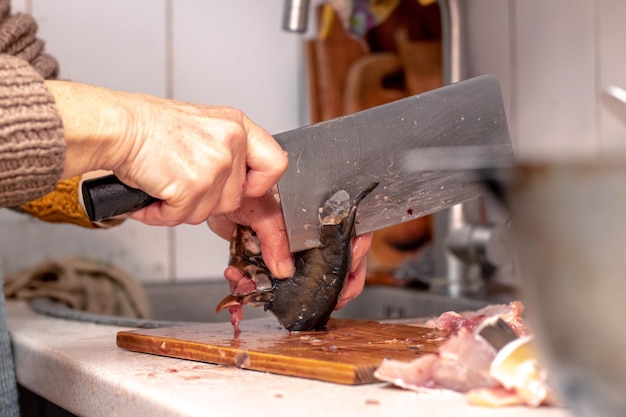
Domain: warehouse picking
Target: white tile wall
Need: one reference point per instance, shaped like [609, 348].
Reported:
[20, 6]
[219, 52]
[553, 58]
[234, 53]
[120, 44]
[555, 76]
[142, 251]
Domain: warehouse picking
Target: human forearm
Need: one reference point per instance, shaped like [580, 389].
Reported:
[94, 120]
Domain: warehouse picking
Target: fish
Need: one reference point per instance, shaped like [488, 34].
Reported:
[306, 300]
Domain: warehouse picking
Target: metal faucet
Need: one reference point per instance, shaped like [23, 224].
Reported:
[296, 15]
[464, 246]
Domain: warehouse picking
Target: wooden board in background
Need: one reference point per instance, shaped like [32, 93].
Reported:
[348, 352]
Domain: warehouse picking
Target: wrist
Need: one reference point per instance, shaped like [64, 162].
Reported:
[95, 124]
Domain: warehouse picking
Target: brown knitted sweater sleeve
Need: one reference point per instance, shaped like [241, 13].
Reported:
[32, 149]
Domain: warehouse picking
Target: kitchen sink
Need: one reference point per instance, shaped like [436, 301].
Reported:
[195, 302]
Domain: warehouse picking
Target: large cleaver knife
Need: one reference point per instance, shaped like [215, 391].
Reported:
[388, 144]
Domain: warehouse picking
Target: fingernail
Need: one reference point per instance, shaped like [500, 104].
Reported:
[286, 268]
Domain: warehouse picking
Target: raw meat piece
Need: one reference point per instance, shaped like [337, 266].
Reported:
[463, 362]
[511, 313]
[410, 375]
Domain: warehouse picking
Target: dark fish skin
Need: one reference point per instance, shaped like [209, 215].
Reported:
[306, 300]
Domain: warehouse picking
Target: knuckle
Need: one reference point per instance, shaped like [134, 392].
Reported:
[222, 162]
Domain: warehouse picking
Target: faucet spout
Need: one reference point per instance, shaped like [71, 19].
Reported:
[296, 15]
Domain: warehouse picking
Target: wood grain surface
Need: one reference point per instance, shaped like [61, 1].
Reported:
[348, 352]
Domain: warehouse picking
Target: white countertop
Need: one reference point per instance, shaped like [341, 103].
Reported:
[79, 367]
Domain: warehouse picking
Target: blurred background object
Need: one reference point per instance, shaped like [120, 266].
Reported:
[569, 218]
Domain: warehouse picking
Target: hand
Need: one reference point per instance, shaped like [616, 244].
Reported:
[358, 270]
[265, 217]
[199, 160]
[221, 157]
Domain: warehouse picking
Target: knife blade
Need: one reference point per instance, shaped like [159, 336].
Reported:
[353, 151]
[374, 145]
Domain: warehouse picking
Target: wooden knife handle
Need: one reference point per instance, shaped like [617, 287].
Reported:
[107, 197]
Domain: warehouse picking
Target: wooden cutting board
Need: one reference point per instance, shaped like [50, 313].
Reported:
[348, 352]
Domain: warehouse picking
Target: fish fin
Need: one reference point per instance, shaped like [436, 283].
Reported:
[229, 301]
[254, 298]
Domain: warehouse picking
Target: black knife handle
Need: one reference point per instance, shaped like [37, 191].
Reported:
[107, 197]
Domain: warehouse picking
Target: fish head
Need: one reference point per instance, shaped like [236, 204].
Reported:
[335, 209]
